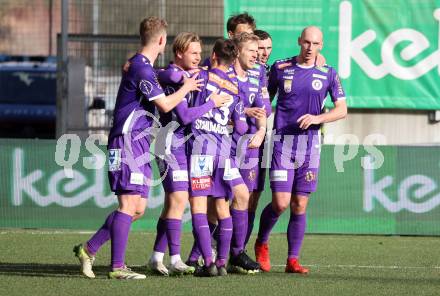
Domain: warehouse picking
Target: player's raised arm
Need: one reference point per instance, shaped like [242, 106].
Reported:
[166, 104]
[189, 114]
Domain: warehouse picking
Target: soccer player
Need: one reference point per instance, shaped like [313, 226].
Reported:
[128, 148]
[235, 25]
[260, 71]
[173, 162]
[302, 89]
[248, 154]
[264, 48]
[213, 172]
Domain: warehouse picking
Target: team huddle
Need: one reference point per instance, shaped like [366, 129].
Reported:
[209, 149]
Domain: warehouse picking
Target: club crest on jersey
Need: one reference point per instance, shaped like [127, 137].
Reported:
[310, 176]
[114, 160]
[287, 85]
[265, 93]
[146, 87]
[239, 108]
[317, 84]
[169, 90]
[252, 175]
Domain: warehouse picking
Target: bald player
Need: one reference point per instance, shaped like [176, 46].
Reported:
[302, 89]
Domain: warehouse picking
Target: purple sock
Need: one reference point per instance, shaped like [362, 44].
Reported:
[201, 228]
[224, 240]
[174, 230]
[119, 236]
[268, 220]
[251, 219]
[101, 236]
[161, 242]
[214, 229]
[240, 222]
[295, 234]
[195, 251]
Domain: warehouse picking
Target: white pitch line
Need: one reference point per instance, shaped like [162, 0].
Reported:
[364, 266]
[351, 266]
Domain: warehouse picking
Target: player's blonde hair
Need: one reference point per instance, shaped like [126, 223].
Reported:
[151, 27]
[244, 37]
[183, 40]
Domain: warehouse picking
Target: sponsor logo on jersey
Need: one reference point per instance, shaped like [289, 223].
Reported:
[223, 83]
[114, 160]
[137, 179]
[278, 175]
[254, 72]
[251, 98]
[287, 86]
[201, 166]
[180, 176]
[319, 76]
[289, 71]
[201, 183]
[338, 83]
[317, 84]
[322, 69]
[254, 81]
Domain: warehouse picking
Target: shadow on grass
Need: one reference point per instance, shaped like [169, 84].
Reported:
[49, 270]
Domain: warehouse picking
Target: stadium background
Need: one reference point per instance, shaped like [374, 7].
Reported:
[401, 197]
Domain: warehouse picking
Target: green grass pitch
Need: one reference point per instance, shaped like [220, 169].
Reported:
[42, 263]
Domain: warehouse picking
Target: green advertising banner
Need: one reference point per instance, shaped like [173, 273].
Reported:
[387, 53]
[362, 190]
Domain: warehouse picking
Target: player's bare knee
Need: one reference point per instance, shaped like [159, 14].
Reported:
[298, 206]
[279, 207]
[198, 205]
[222, 209]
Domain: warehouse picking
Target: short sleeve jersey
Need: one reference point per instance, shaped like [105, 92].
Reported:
[301, 90]
[213, 125]
[134, 109]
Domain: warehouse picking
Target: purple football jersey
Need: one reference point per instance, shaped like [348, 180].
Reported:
[211, 133]
[301, 90]
[258, 73]
[139, 87]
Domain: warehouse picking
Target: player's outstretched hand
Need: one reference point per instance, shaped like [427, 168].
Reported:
[192, 83]
[307, 120]
[221, 100]
[255, 112]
